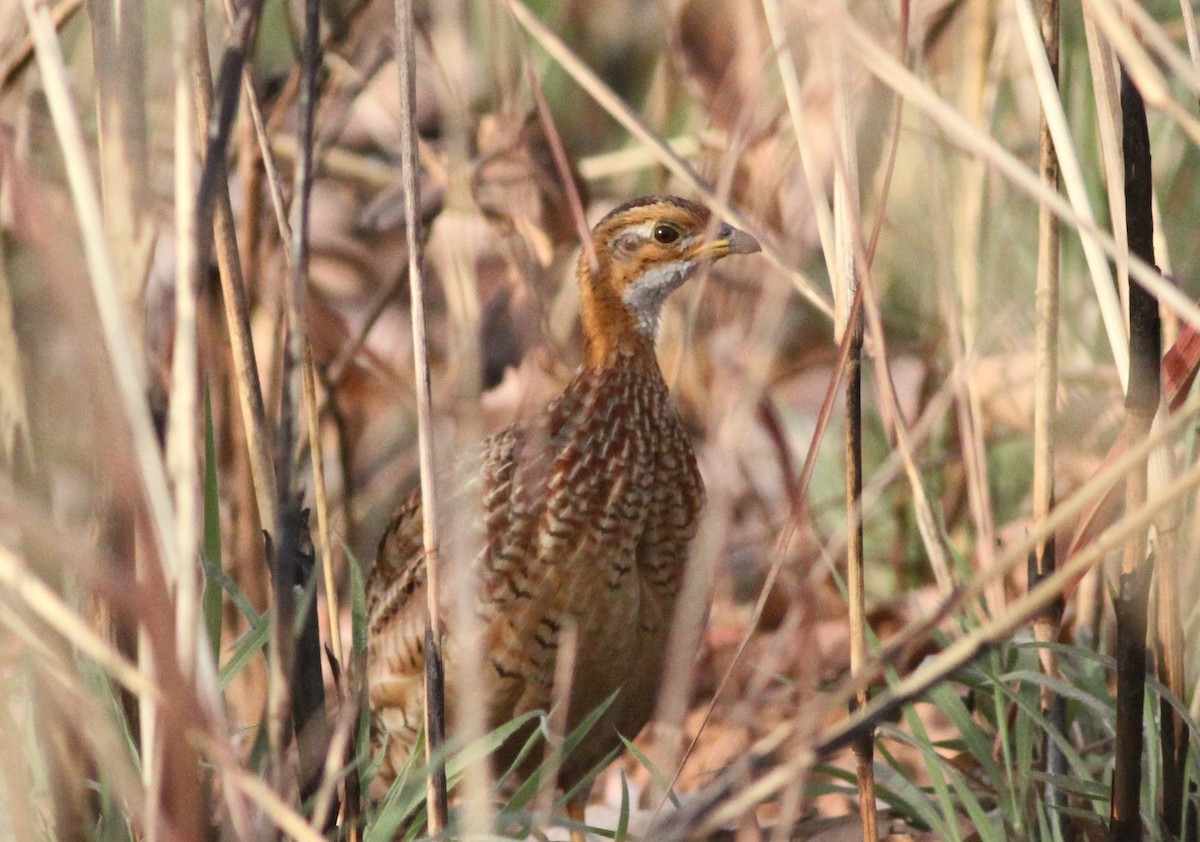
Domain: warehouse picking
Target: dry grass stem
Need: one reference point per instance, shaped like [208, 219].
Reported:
[183, 433]
[233, 294]
[280, 812]
[1149, 32]
[58, 615]
[1026, 606]
[798, 497]
[555, 723]
[686, 633]
[931, 535]
[111, 308]
[1072, 178]
[18, 59]
[605, 165]
[562, 165]
[325, 539]
[795, 104]
[749, 379]
[1046, 315]
[1046, 296]
[1108, 109]
[847, 234]
[962, 310]
[333, 769]
[1168, 636]
[405, 46]
[123, 143]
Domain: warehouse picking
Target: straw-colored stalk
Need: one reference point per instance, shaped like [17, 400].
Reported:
[962, 314]
[1168, 639]
[846, 245]
[1045, 395]
[234, 299]
[434, 679]
[183, 434]
[123, 142]
[325, 541]
[456, 272]
[1189, 28]
[52, 610]
[1089, 600]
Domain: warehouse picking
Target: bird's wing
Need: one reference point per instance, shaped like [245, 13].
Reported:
[396, 585]
[395, 597]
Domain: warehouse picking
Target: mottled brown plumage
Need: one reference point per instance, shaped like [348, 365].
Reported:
[588, 510]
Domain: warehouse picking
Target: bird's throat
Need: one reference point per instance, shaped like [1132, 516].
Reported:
[609, 328]
[645, 297]
[615, 323]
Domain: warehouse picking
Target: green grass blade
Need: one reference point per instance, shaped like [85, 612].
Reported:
[399, 805]
[248, 645]
[405, 800]
[211, 599]
[661, 780]
[622, 829]
[358, 609]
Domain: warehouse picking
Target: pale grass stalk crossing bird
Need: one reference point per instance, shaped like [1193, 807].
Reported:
[588, 511]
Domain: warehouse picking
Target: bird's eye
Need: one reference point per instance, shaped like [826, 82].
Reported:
[665, 234]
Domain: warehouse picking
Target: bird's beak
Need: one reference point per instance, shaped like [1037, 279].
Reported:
[729, 240]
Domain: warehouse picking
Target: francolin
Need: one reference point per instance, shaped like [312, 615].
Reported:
[588, 510]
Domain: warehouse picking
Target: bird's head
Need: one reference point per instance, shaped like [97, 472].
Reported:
[645, 249]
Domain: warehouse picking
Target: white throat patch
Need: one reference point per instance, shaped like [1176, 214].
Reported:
[646, 295]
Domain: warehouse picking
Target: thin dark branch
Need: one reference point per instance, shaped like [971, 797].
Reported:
[220, 127]
[1141, 403]
[1145, 336]
[864, 745]
[296, 686]
[308, 683]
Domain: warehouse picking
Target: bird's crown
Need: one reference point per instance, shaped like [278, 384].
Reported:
[643, 250]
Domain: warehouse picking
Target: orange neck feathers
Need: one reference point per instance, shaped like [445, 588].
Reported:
[608, 326]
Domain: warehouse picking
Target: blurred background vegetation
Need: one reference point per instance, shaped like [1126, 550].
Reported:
[762, 104]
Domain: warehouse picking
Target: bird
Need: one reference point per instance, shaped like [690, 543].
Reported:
[588, 511]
